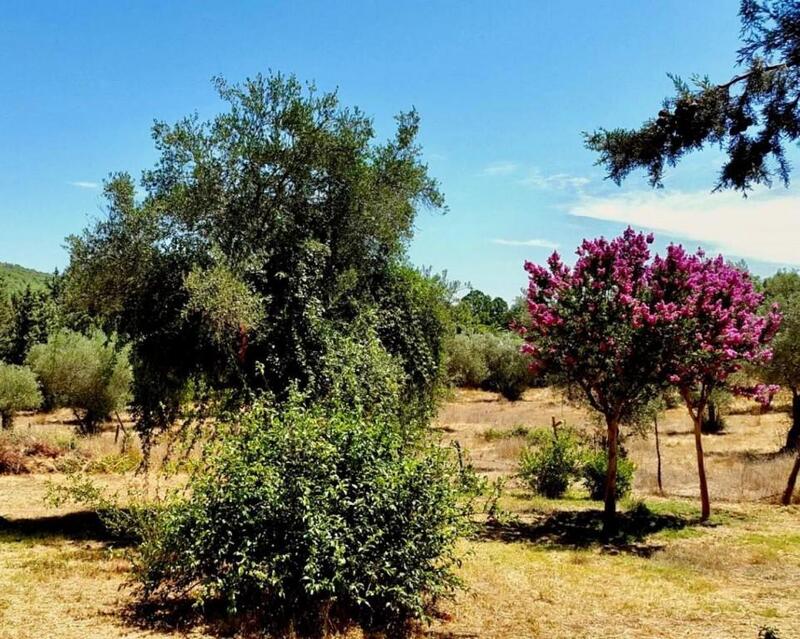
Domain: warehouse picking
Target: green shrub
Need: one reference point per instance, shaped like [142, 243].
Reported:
[493, 434]
[18, 391]
[302, 516]
[466, 364]
[489, 361]
[550, 468]
[594, 468]
[90, 374]
[509, 370]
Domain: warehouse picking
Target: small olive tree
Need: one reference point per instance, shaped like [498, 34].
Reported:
[783, 288]
[19, 390]
[89, 374]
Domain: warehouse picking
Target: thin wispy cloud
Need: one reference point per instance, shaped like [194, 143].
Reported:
[536, 242]
[558, 181]
[500, 168]
[765, 226]
[84, 185]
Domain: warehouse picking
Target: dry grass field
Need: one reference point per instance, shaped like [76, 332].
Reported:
[543, 572]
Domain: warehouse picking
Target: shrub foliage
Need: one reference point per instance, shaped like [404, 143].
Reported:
[594, 468]
[19, 390]
[550, 468]
[89, 374]
[491, 361]
[304, 515]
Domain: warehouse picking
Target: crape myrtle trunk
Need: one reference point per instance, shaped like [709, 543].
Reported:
[701, 467]
[610, 508]
[658, 456]
[696, 410]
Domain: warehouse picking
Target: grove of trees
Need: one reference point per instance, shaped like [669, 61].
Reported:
[253, 289]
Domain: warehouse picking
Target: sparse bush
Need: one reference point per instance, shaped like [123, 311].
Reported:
[18, 391]
[594, 468]
[90, 374]
[492, 434]
[303, 516]
[550, 468]
[12, 461]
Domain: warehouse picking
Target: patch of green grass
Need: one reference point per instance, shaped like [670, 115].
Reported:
[670, 534]
[495, 434]
[788, 543]
[678, 507]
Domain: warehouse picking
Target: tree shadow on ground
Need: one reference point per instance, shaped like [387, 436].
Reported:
[182, 615]
[85, 524]
[584, 528]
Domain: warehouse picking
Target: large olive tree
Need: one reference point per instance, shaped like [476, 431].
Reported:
[260, 233]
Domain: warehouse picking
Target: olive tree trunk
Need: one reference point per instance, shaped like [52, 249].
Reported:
[793, 436]
[610, 509]
[787, 495]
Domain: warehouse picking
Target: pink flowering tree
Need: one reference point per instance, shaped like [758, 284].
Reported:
[595, 330]
[717, 326]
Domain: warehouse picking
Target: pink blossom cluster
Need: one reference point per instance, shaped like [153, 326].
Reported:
[762, 393]
[717, 309]
[694, 319]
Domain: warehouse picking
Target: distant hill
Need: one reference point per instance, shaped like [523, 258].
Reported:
[14, 278]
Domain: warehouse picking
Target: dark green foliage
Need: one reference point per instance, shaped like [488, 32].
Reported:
[413, 322]
[90, 374]
[485, 311]
[262, 233]
[550, 467]
[304, 518]
[26, 319]
[752, 116]
[19, 390]
[491, 361]
[712, 422]
[593, 471]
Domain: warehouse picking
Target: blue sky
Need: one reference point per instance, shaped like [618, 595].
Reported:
[504, 90]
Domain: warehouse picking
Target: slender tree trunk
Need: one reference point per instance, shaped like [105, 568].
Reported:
[610, 510]
[787, 495]
[658, 456]
[793, 436]
[7, 419]
[701, 467]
